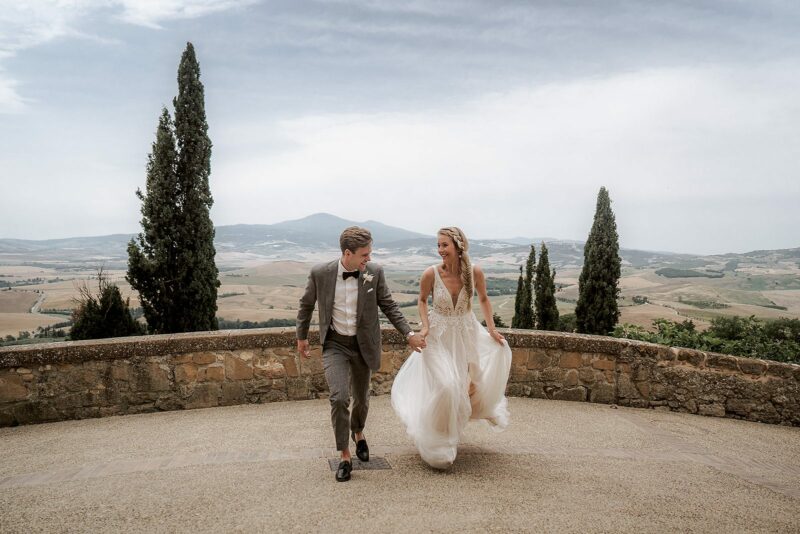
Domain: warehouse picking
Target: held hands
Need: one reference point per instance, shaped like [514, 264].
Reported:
[417, 342]
[302, 348]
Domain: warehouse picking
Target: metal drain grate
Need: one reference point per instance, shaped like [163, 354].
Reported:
[374, 463]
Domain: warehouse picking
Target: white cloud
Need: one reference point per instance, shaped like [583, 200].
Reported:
[10, 99]
[26, 24]
[530, 161]
[152, 12]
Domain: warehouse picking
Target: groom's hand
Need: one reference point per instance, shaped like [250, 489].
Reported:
[417, 342]
[302, 348]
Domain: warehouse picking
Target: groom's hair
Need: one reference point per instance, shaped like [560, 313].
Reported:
[354, 238]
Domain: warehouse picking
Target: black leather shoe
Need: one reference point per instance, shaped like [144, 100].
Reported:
[343, 471]
[362, 450]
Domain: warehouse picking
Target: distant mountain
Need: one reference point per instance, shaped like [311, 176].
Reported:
[328, 227]
[317, 236]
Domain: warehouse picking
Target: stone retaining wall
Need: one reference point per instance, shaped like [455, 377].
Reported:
[74, 380]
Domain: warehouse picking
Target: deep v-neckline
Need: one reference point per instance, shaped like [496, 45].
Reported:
[453, 303]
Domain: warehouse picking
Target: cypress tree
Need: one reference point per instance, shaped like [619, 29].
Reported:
[598, 286]
[173, 266]
[152, 257]
[545, 291]
[196, 270]
[524, 316]
[518, 300]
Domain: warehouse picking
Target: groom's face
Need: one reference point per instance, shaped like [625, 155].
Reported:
[358, 259]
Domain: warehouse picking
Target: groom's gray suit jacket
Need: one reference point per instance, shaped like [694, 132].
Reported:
[372, 295]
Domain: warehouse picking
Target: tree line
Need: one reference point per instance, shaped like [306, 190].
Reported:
[596, 311]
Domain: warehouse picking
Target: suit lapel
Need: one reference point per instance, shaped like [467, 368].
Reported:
[362, 288]
[330, 291]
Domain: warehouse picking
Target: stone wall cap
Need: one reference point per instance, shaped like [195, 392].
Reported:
[155, 345]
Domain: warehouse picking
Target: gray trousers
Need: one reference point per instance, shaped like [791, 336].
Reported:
[346, 372]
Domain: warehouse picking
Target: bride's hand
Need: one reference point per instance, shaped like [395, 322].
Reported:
[497, 336]
[424, 333]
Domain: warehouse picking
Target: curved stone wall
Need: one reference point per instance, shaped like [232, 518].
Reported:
[73, 380]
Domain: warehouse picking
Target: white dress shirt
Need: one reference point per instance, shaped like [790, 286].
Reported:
[345, 303]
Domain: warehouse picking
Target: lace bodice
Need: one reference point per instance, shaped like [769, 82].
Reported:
[443, 301]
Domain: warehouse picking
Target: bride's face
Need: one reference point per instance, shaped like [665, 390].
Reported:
[447, 249]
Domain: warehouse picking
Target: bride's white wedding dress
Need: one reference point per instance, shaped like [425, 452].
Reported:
[430, 393]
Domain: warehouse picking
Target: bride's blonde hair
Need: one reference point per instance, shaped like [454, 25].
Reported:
[462, 245]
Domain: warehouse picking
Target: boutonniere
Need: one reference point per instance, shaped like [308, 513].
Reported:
[367, 278]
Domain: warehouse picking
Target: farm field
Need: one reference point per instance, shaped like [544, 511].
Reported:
[271, 290]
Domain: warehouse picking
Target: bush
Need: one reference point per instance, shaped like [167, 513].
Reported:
[567, 323]
[103, 315]
[777, 340]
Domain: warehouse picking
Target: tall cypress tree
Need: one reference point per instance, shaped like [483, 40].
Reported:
[518, 300]
[197, 271]
[598, 286]
[524, 304]
[545, 291]
[152, 257]
[173, 266]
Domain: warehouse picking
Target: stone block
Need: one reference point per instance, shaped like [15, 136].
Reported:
[257, 386]
[571, 394]
[152, 377]
[204, 358]
[297, 389]
[181, 358]
[586, 375]
[783, 370]
[721, 361]
[232, 393]
[204, 396]
[714, 409]
[519, 357]
[515, 390]
[269, 368]
[641, 372]
[625, 387]
[738, 406]
[121, 371]
[12, 387]
[691, 356]
[211, 374]
[185, 372]
[537, 391]
[237, 369]
[603, 364]
[644, 389]
[387, 365]
[538, 359]
[571, 360]
[602, 393]
[571, 378]
[752, 367]
[554, 374]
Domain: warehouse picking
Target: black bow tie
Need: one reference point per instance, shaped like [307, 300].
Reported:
[346, 274]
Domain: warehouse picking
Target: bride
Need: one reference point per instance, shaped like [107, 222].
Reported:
[462, 373]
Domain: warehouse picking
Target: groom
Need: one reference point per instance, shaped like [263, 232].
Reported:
[350, 291]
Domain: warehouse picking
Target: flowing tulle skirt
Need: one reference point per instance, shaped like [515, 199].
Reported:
[431, 392]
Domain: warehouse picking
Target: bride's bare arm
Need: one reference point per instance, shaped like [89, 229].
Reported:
[425, 288]
[486, 306]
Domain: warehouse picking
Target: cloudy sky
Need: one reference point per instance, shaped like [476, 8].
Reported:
[502, 117]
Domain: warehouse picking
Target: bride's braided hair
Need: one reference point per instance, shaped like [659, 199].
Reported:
[462, 245]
